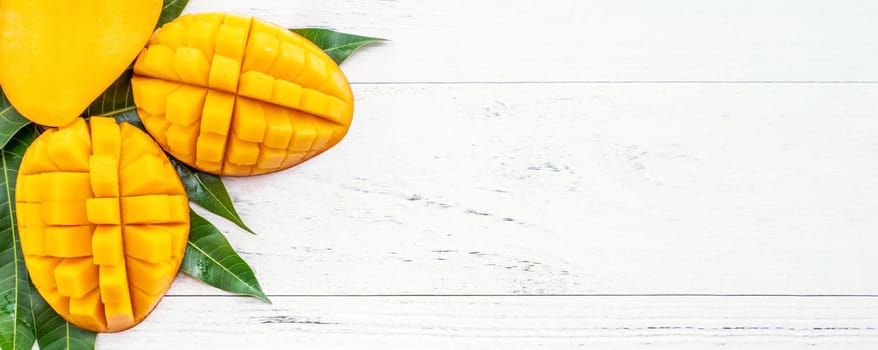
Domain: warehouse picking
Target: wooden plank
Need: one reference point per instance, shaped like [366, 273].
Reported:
[505, 322]
[597, 40]
[577, 188]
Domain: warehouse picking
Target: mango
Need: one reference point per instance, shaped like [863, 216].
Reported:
[103, 220]
[56, 57]
[232, 95]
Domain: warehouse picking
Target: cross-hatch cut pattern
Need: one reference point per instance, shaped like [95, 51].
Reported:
[233, 95]
[104, 221]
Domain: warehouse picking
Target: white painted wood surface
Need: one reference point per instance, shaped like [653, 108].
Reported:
[593, 40]
[600, 174]
[506, 323]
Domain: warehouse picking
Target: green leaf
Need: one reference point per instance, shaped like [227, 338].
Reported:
[54, 332]
[10, 120]
[210, 258]
[16, 315]
[208, 191]
[118, 98]
[172, 9]
[130, 117]
[337, 45]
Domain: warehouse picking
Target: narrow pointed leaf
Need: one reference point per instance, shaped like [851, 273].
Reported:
[208, 191]
[171, 9]
[210, 258]
[118, 98]
[54, 332]
[10, 120]
[16, 316]
[337, 45]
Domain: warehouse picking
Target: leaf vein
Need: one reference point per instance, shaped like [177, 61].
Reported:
[229, 272]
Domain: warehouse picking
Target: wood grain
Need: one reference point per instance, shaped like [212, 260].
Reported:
[596, 40]
[505, 323]
[577, 188]
[569, 174]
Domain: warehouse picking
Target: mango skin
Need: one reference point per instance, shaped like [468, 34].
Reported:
[232, 95]
[103, 220]
[56, 57]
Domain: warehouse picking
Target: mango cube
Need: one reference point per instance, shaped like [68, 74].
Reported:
[68, 241]
[88, 310]
[107, 245]
[104, 175]
[76, 277]
[147, 244]
[103, 210]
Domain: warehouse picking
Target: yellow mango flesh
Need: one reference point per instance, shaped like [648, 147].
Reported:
[103, 220]
[56, 57]
[232, 95]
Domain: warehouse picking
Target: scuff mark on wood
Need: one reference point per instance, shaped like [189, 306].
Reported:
[289, 319]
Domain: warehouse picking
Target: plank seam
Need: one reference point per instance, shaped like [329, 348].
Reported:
[767, 82]
[687, 295]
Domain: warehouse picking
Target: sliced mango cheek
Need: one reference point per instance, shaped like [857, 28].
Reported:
[235, 96]
[58, 56]
[104, 222]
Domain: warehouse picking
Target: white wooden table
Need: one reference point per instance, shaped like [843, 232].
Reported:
[597, 174]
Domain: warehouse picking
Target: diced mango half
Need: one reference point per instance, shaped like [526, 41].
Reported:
[103, 220]
[234, 95]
